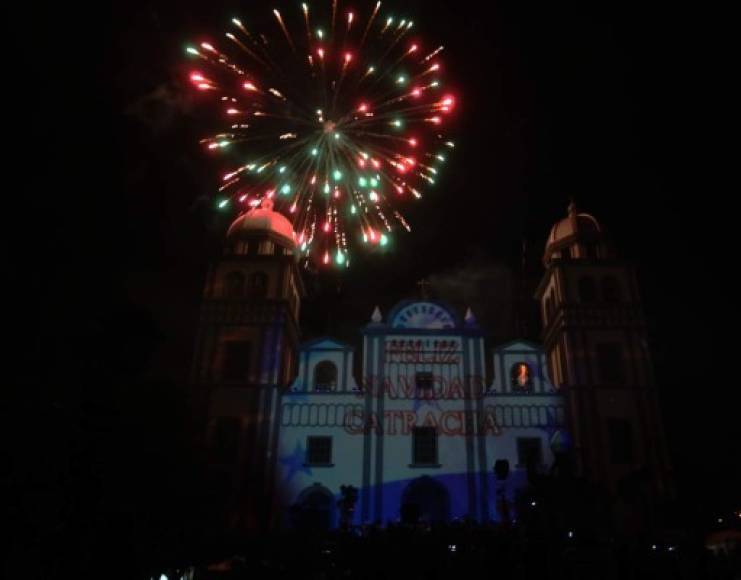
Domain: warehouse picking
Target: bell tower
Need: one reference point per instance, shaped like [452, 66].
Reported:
[245, 357]
[597, 349]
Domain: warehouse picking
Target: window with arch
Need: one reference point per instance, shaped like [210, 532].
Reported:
[611, 290]
[267, 248]
[234, 285]
[325, 376]
[587, 290]
[521, 377]
[259, 285]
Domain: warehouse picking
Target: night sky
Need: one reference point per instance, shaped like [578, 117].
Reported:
[617, 106]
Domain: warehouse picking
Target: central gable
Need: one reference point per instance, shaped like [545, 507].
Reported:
[422, 315]
[325, 344]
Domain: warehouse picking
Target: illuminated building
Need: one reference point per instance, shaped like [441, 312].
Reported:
[419, 429]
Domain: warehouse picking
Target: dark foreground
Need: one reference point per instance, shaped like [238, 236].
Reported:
[467, 550]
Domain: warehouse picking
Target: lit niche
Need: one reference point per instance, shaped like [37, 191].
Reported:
[521, 377]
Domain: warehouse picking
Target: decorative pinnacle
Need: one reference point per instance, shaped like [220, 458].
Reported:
[376, 316]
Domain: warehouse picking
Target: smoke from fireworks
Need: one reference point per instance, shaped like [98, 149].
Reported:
[337, 119]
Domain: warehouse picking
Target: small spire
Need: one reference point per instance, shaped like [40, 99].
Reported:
[376, 317]
[469, 318]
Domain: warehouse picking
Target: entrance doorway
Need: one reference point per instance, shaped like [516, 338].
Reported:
[314, 509]
[425, 500]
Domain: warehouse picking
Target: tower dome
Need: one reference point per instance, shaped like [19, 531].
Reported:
[263, 219]
[578, 235]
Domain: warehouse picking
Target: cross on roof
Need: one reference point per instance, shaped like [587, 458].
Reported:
[424, 287]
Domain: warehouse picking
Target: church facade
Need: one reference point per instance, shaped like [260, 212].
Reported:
[431, 413]
[423, 427]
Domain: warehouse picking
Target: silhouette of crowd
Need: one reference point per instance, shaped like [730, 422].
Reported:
[465, 549]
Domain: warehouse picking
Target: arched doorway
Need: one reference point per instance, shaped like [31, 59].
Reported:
[425, 500]
[314, 509]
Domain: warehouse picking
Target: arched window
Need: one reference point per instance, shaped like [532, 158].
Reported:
[267, 248]
[587, 290]
[325, 376]
[611, 290]
[234, 285]
[521, 377]
[259, 285]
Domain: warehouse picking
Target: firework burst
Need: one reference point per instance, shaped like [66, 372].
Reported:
[336, 118]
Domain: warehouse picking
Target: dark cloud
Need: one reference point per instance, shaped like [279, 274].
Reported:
[162, 108]
[487, 287]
